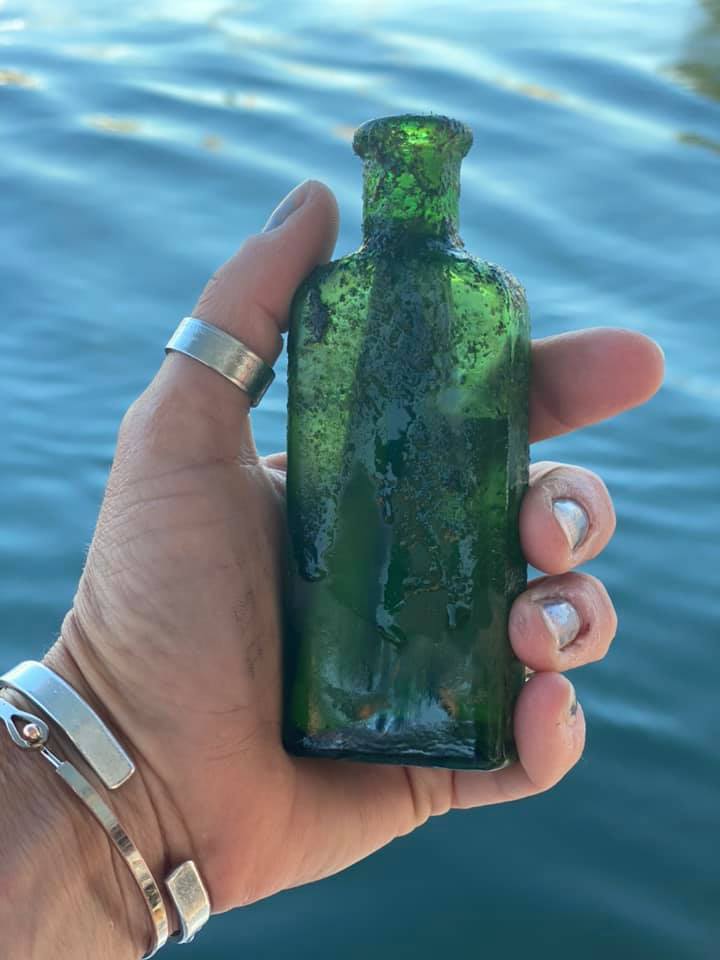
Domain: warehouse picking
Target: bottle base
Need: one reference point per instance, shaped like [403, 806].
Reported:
[305, 746]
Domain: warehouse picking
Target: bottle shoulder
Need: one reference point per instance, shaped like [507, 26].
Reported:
[475, 284]
[464, 266]
[339, 287]
[485, 274]
[341, 271]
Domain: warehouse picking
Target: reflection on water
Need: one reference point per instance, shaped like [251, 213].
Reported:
[696, 140]
[17, 78]
[123, 125]
[700, 63]
[344, 131]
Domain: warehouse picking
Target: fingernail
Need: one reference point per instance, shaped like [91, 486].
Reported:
[562, 620]
[292, 202]
[573, 708]
[573, 521]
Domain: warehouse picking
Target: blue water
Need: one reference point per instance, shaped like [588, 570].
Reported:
[140, 142]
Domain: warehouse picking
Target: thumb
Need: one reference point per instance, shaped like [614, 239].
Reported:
[249, 297]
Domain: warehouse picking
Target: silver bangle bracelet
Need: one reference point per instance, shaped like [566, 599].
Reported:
[34, 736]
[105, 756]
[79, 722]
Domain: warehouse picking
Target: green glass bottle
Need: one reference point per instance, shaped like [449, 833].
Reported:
[408, 371]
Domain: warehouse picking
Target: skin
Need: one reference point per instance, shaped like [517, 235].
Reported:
[174, 635]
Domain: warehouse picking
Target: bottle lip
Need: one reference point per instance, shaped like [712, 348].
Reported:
[385, 135]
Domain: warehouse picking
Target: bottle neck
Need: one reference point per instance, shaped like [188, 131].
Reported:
[411, 199]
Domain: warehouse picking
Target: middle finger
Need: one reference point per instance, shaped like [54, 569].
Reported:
[566, 517]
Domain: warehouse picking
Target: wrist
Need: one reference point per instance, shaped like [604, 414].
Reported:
[133, 804]
[77, 889]
[60, 894]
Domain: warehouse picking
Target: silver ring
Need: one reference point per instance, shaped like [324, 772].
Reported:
[225, 354]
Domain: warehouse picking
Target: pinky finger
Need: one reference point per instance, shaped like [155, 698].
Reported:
[550, 737]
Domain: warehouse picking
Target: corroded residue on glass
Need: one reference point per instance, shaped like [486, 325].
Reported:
[407, 366]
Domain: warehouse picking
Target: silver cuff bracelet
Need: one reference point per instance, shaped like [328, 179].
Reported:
[105, 756]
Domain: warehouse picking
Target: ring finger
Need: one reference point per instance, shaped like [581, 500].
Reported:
[562, 622]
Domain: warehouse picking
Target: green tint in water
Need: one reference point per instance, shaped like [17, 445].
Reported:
[407, 460]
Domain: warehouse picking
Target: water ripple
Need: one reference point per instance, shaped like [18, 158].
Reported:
[145, 141]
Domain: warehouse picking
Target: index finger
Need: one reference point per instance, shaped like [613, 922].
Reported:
[581, 378]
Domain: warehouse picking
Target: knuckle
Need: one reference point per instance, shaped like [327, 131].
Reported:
[148, 420]
[521, 613]
[602, 603]
[209, 294]
[602, 593]
[545, 780]
[256, 242]
[586, 582]
[597, 650]
[273, 319]
[579, 482]
[128, 428]
[430, 794]
[542, 782]
[599, 612]
[154, 424]
[612, 632]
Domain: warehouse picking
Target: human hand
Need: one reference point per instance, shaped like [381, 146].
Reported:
[175, 631]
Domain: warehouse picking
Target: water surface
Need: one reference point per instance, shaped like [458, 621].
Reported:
[141, 142]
